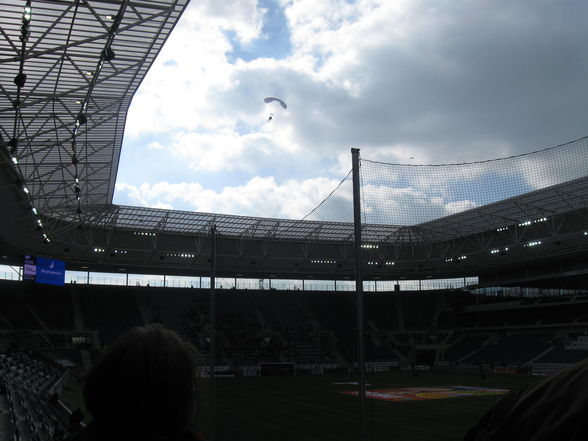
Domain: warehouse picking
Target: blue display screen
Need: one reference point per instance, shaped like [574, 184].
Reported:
[44, 270]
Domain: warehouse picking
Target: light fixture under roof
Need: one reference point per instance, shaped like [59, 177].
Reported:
[28, 11]
[108, 54]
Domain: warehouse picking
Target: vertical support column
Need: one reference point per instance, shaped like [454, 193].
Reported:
[212, 375]
[359, 290]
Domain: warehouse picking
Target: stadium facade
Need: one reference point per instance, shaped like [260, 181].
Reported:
[68, 73]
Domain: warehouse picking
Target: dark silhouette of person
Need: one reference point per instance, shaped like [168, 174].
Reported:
[143, 388]
[554, 408]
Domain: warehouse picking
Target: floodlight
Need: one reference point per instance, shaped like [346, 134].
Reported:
[20, 79]
[108, 54]
[13, 144]
[24, 31]
[27, 13]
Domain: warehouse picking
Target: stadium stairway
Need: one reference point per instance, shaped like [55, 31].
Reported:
[332, 336]
[38, 318]
[474, 352]
[86, 359]
[545, 352]
[400, 312]
[32, 311]
[144, 308]
[77, 307]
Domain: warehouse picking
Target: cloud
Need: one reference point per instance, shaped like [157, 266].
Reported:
[418, 82]
[258, 197]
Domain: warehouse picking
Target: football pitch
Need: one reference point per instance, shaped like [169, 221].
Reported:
[400, 406]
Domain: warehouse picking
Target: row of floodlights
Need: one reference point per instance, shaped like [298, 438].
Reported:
[315, 261]
[182, 255]
[370, 246]
[102, 250]
[121, 252]
[536, 221]
[525, 223]
[20, 81]
[458, 258]
[39, 222]
[371, 262]
[533, 243]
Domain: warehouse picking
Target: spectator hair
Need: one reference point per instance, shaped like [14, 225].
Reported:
[144, 385]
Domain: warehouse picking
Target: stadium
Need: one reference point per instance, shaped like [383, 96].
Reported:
[383, 314]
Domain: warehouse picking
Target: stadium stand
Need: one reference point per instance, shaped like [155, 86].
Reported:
[518, 244]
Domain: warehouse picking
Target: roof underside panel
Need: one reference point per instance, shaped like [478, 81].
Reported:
[568, 197]
[70, 71]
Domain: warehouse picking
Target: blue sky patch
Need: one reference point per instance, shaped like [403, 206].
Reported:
[275, 37]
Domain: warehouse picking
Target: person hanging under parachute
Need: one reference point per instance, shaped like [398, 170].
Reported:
[271, 99]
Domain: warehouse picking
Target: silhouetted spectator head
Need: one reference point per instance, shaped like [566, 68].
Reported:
[143, 387]
[553, 408]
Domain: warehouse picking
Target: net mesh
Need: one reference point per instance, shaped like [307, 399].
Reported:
[408, 194]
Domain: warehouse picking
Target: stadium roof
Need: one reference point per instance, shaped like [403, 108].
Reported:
[83, 61]
[68, 72]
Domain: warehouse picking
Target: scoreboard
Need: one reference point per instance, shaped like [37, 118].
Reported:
[44, 270]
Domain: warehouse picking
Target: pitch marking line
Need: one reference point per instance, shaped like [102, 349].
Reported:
[427, 393]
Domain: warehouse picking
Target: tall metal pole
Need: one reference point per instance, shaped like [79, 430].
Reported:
[359, 290]
[212, 374]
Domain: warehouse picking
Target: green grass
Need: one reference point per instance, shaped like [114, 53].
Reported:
[309, 408]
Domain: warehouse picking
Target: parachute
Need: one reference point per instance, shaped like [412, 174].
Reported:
[269, 99]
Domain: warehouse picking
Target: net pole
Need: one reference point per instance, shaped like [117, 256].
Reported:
[212, 374]
[359, 290]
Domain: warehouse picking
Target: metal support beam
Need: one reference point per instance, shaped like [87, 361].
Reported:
[359, 291]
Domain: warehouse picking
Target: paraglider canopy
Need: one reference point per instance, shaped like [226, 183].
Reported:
[269, 99]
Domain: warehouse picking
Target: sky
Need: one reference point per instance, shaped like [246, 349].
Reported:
[406, 81]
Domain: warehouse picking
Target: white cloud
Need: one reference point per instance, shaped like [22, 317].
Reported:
[459, 206]
[415, 82]
[262, 197]
[155, 146]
